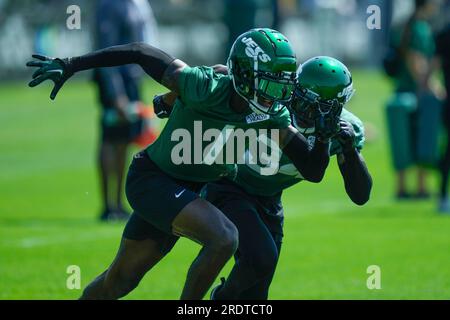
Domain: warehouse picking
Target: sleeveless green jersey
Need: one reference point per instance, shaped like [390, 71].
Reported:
[193, 142]
[250, 179]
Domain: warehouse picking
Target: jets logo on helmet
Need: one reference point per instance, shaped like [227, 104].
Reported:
[255, 51]
[262, 67]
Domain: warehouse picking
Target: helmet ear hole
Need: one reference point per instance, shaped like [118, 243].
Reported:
[242, 77]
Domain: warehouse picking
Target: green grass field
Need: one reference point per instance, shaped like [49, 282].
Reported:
[49, 202]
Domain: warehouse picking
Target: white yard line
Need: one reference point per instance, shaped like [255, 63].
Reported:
[41, 241]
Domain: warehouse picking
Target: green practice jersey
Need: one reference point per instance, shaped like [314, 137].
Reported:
[250, 179]
[192, 146]
[422, 41]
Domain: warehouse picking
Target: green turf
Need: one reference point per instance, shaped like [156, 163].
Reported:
[49, 203]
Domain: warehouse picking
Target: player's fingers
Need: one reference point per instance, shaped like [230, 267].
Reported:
[41, 57]
[55, 90]
[38, 72]
[344, 126]
[343, 122]
[35, 63]
[37, 81]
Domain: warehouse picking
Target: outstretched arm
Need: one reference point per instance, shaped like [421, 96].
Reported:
[357, 179]
[156, 63]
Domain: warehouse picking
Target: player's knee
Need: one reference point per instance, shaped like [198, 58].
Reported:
[227, 240]
[230, 239]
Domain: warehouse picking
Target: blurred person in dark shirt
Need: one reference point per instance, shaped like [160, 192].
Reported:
[241, 15]
[443, 53]
[412, 143]
[118, 22]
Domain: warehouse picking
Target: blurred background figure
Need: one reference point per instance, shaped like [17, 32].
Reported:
[239, 15]
[413, 113]
[242, 15]
[119, 22]
[443, 53]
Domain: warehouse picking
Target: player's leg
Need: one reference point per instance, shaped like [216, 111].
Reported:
[174, 207]
[402, 192]
[105, 169]
[105, 159]
[272, 213]
[422, 189]
[260, 291]
[124, 136]
[142, 246]
[257, 253]
[205, 224]
[133, 260]
[256, 258]
[121, 149]
[444, 204]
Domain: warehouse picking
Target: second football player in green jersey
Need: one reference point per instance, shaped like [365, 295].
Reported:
[249, 176]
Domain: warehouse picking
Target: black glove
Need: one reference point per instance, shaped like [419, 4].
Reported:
[162, 109]
[346, 136]
[55, 69]
[326, 127]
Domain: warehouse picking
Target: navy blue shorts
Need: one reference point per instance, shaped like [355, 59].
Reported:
[155, 197]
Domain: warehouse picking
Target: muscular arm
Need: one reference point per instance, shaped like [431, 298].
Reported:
[310, 163]
[357, 179]
[156, 63]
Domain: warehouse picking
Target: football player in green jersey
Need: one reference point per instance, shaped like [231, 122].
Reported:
[253, 201]
[164, 180]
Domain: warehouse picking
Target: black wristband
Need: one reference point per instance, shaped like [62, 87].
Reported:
[162, 109]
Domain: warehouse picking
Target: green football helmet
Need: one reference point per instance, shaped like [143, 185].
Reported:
[324, 86]
[262, 66]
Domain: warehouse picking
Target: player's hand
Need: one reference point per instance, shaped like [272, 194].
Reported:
[161, 109]
[346, 136]
[54, 69]
[326, 127]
